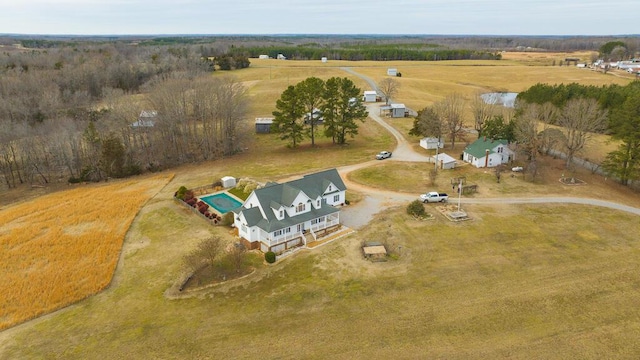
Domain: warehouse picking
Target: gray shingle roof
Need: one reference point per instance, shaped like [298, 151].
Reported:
[274, 195]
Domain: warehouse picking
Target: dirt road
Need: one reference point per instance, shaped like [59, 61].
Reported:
[357, 215]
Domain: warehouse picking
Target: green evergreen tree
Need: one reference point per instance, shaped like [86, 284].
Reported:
[310, 92]
[288, 117]
[342, 108]
[113, 156]
[497, 128]
[624, 124]
[428, 124]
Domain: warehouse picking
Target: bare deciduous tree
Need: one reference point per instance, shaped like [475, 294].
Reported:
[238, 254]
[450, 111]
[580, 118]
[526, 130]
[481, 110]
[210, 249]
[388, 87]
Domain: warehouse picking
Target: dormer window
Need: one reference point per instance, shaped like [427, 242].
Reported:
[330, 188]
[318, 203]
[281, 214]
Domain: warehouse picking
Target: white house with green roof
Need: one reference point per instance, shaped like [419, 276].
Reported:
[278, 217]
[488, 153]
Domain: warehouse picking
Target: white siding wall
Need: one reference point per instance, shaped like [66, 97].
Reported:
[335, 198]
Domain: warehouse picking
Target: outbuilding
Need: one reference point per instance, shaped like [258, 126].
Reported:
[263, 57]
[263, 125]
[392, 72]
[370, 96]
[431, 143]
[228, 182]
[444, 161]
[397, 110]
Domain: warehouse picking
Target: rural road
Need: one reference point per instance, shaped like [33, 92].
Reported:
[376, 200]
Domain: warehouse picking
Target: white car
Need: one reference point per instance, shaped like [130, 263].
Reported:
[383, 155]
[517, 169]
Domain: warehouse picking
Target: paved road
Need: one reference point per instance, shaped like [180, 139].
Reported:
[377, 200]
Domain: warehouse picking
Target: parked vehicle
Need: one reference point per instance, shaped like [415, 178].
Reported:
[434, 196]
[383, 155]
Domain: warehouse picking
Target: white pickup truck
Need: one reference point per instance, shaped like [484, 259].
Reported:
[434, 196]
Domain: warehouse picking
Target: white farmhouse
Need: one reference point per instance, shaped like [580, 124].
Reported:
[488, 153]
[278, 217]
[147, 119]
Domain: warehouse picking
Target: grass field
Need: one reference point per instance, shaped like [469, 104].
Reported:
[64, 246]
[544, 281]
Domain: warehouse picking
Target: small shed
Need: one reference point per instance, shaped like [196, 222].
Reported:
[263, 57]
[324, 59]
[444, 161]
[392, 72]
[263, 125]
[228, 182]
[431, 143]
[370, 96]
[397, 110]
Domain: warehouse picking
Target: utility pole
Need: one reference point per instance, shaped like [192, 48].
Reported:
[435, 159]
[459, 193]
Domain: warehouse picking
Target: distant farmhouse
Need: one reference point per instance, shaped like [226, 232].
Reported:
[486, 152]
[146, 119]
[278, 217]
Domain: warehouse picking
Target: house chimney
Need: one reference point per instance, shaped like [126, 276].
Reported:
[486, 158]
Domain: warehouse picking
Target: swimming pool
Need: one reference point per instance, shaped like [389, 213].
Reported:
[222, 202]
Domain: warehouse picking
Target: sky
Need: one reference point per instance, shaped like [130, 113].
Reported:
[446, 17]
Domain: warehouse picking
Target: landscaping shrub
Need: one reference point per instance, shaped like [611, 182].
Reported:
[416, 208]
[180, 193]
[217, 184]
[270, 257]
[227, 219]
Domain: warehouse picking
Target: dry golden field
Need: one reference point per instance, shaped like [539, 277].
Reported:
[63, 247]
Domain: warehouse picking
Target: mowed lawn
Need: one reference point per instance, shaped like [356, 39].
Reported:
[515, 282]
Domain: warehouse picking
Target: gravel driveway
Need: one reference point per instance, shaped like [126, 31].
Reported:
[357, 215]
